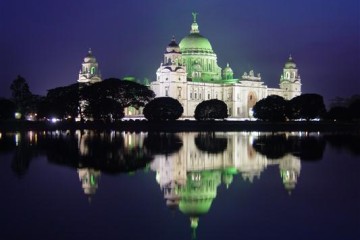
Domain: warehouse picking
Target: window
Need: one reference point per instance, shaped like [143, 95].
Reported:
[208, 95]
[190, 95]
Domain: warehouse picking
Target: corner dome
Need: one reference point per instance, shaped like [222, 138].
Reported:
[173, 46]
[227, 69]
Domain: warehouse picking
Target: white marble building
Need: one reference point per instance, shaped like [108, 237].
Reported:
[189, 72]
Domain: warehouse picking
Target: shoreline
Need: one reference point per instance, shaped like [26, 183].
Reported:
[185, 126]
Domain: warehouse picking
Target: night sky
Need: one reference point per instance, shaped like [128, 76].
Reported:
[45, 41]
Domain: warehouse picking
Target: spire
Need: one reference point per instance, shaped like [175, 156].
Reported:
[194, 224]
[194, 25]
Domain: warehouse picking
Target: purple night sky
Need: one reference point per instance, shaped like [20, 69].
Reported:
[46, 41]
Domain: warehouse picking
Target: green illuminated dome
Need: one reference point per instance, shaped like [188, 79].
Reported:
[195, 42]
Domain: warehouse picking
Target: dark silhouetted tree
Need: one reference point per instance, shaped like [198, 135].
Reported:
[354, 109]
[162, 109]
[306, 106]
[21, 95]
[338, 113]
[211, 109]
[105, 109]
[119, 94]
[272, 108]
[7, 109]
[61, 102]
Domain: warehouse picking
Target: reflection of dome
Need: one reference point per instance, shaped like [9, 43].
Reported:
[290, 63]
[195, 207]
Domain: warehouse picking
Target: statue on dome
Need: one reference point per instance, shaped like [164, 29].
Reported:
[194, 15]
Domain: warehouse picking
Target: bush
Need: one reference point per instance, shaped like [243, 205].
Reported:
[210, 110]
[163, 109]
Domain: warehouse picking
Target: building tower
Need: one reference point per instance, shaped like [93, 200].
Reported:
[171, 75]
[290, 81]
[89, 72]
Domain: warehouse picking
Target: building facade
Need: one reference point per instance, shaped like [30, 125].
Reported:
[189, 73]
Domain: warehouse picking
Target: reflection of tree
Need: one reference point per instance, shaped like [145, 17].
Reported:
[272, 146]
[162, 143]
[109, 156]
[347, 142]
[308, 147]
[209, 142]
[277, 146]
[25, 150]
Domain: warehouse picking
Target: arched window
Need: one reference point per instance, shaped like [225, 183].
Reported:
[92, 70]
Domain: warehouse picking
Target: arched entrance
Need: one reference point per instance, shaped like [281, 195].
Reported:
[251, 101]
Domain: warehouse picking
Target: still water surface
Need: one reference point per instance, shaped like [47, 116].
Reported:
[117, 185]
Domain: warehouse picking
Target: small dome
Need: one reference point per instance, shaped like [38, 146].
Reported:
[173, 46]
[89, 57]
[290, 63]
[227, 69]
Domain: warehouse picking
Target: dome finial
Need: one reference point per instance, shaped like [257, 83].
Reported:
[194, 16]
[194, 25]
[290, 57]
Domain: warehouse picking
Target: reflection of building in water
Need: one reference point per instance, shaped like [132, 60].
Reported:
[290, 170]
[189, 178]
[89, 180]
[198, 194]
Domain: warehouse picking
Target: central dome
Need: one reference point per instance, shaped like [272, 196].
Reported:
[195, 42]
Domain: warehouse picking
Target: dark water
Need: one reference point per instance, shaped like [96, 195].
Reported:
[116, 185]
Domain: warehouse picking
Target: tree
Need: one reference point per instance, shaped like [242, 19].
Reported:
[354, 109]
[21, 95]
[339, 113]
[272, 108]
[211, 109]
[118, 94]
[105, 109]
[306, 106]
[8, 109]
[162, 109]
[61, 102]
[127, 93]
